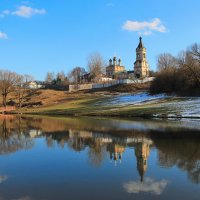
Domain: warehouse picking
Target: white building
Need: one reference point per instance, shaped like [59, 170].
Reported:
[36, 85]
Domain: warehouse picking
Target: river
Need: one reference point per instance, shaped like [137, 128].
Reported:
[46, 158]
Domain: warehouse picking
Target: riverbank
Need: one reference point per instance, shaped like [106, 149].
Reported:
[91, 148]
[140, 105]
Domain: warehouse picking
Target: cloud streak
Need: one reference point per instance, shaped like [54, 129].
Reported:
[149, 185]
[27, 12]
[24, 11]
[4, 13]
[145, 27]
[3, 35]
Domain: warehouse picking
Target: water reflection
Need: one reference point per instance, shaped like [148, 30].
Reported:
[102, 144]
[3, 178]
[184, 153]
[180, 149]
[104, 141]
[12, 138]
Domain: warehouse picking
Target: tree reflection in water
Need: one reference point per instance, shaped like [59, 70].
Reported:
[12, 138]
[101, 138]
[183, 153]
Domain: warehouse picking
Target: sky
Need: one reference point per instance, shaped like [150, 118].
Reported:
[40, 36]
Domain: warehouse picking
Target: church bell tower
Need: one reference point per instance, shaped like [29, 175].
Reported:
[141, 67]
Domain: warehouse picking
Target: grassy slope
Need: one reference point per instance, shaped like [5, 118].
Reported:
[79, 103]
[85, 106]
[51, 102]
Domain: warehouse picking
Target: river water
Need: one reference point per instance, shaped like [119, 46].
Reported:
[44, 158]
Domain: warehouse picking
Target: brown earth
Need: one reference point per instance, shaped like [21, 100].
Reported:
[48, 97]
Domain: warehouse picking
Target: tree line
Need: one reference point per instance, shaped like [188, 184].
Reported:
[178, 74]
[95, 65]
[18, 85]
[11, 82]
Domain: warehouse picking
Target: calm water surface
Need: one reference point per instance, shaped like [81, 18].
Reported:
[90, 158]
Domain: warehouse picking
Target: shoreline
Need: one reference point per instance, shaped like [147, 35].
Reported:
[137, 105]
[129, 116]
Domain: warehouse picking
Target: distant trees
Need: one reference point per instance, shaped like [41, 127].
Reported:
[49, 77]
[56, 81]
[195, 52]
[166, 61]
[22, 89]
[8, 82]
[76, 74]
[61, 79]
[180, 75]
[11, 82]
[191, 64]
[96, 65]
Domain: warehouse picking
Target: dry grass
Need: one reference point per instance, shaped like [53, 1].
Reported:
[52, 102]
[45, 97]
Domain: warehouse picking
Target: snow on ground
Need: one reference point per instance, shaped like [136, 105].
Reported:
[128, 99]
[179, 107]
[184, 107]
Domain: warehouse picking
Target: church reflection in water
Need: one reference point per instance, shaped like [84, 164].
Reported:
[78, 140]
[115, 146]
[100, 143]
[142, 151]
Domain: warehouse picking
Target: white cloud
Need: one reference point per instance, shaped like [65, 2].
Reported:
[27, 12]
[3, 35]
[145, 27]
[4, 13]
[149, 185]
[3, 178]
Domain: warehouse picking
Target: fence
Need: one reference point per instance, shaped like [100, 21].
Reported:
[89, 86]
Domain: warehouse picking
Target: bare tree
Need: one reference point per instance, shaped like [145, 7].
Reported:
[166, 61]
[61, 78]
[96, 65]
[8, 82]
[76, 74]
[180, 75]
[195, 52]
[191, 67]
[50, 77]
[22, 88]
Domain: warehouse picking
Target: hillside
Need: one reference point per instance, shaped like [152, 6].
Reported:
[48, 97]
[108, 102]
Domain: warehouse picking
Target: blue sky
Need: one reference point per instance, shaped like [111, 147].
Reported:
[37, 36]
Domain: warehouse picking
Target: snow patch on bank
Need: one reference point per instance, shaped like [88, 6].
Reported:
[134, 99]
[184, 107]
[180, 107]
